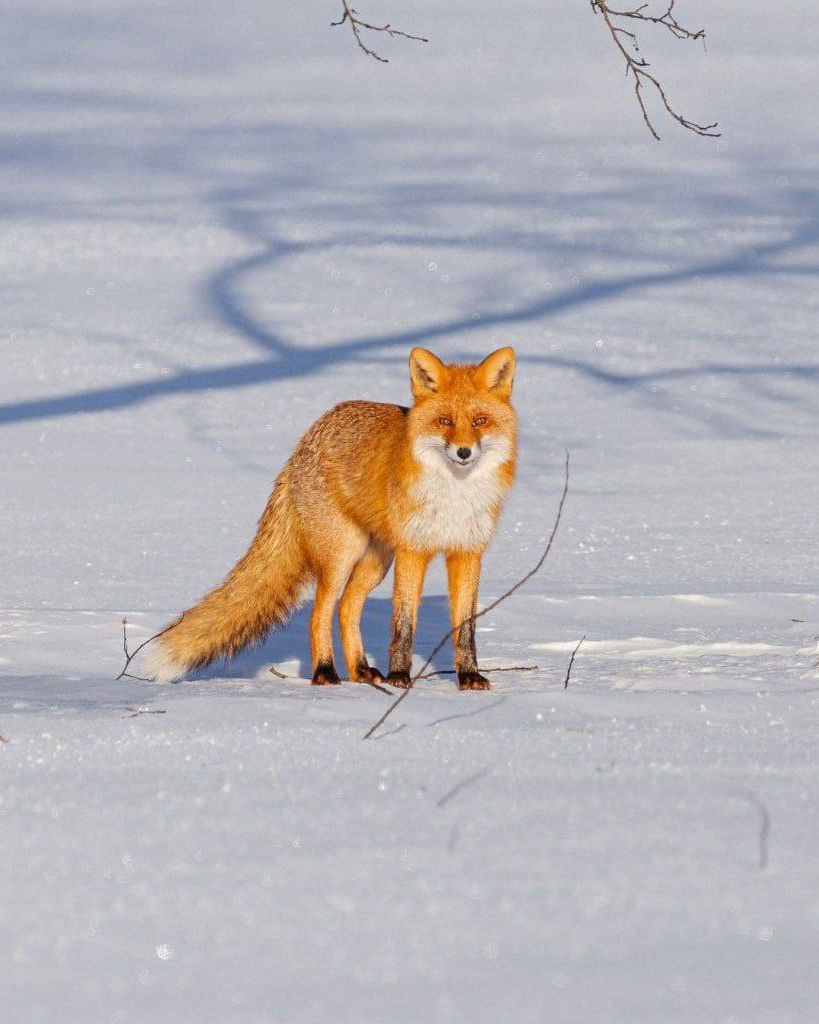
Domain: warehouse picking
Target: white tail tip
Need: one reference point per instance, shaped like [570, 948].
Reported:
[162, 666]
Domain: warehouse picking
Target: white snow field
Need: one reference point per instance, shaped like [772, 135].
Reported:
[216, 221]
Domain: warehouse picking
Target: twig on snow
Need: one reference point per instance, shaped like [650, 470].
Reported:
[484, 611]
[637, 66]
[501, 668]
[764, 825]
[130, 655]
[461, 786]
[144, 711]
[351, 16]
[571, 662]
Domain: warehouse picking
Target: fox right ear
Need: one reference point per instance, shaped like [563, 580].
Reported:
[427, 372]
[497, 371]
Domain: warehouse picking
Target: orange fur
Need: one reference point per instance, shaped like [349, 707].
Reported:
[366, 483]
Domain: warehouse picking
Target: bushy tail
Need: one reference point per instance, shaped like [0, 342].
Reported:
[260, 592]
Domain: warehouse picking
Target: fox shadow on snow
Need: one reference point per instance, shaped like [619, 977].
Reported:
[292, 642]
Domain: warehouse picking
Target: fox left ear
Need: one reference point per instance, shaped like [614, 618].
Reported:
[497, 372]
[427, 372]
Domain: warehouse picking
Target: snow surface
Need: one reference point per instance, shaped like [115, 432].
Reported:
[215, 222]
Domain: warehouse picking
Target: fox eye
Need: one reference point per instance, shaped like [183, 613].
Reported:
[445, 421]
[479, 421]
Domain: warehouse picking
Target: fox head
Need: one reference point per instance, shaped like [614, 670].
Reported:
[463, 418]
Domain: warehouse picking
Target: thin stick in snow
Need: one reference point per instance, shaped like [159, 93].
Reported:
[571, 662]
[129, 656]
[144, 711]
[484, 611]
[501, 668]
[764, 825]
[461, 785]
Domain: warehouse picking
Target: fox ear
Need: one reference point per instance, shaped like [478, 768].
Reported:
[497, 372]
[427, 371]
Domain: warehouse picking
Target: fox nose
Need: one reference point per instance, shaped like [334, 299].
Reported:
[464, 453]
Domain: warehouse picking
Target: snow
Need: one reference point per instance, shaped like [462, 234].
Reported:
[217, 222]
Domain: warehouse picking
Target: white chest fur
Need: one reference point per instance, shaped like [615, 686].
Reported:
[455, 507]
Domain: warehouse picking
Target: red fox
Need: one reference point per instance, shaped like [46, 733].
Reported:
[369, 483]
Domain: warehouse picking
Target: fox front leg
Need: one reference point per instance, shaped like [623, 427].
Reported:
[410, 569]
[464, 572]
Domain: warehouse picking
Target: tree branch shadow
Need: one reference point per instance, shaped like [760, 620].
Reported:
[409, 216]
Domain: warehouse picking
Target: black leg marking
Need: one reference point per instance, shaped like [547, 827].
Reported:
[466, 656]
[472, 680]
[365, 673]
[401, 646]
[325, 674]
[401, 679]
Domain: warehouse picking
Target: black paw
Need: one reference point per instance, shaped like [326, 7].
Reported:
[472, 681]
[365, 673]
[400, 679]
[325, 675]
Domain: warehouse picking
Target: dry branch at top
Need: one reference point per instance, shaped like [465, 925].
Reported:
[624, 39]
[351, 16]
[637, 66]
[667, 19]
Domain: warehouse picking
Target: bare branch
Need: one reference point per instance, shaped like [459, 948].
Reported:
[130, 655]
[484, 611]
[624, 39]
[571, 662]
[667, 19]
[637, 66]
[351, 16]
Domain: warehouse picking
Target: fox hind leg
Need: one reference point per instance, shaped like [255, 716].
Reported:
[369, 571]
[331, 567]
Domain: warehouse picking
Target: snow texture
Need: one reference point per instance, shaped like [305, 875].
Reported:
[218, 221]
